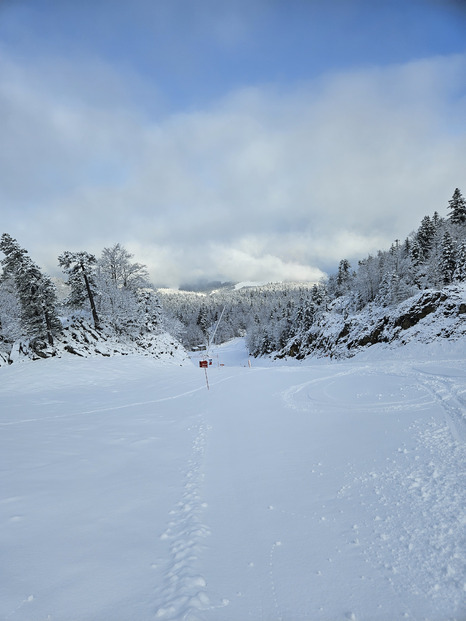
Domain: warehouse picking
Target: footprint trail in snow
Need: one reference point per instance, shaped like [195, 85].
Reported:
[184, 595]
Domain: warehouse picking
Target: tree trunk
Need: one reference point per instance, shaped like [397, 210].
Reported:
[48, 323]
[91, 300]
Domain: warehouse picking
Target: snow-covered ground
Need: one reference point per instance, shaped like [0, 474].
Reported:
[301, 491]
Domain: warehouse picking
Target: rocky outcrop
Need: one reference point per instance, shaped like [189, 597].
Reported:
[79, 338]
[427, 316]
[426, 305]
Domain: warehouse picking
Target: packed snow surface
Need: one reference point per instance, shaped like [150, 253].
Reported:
[319, 490]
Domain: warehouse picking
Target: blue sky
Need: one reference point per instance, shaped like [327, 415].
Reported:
[234, 140]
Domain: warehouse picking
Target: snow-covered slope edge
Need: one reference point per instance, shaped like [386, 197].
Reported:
[430, 315]
[79, 338]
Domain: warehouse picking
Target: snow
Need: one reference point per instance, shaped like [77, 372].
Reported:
[312, 490]
[249, 283]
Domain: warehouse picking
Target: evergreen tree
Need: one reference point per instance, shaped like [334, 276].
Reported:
[384, 294]
[35, 291]
[150, 310]
[305, 315]
[343, 277]
[415, 256]
[10, 311]
[457, 207]
[202, 320]
[460, 270]
[394, 259]
[80, 266]
[319, 294]
[406, 248]
[399, 289]
[448, 259]
[415, 253]
[425, 236]
[437, 221]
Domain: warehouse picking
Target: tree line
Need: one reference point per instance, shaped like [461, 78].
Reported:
[112, 290]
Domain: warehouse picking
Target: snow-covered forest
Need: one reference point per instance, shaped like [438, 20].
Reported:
[112, 295]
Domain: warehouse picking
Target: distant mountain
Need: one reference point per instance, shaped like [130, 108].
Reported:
[206, 286]
[245, 284]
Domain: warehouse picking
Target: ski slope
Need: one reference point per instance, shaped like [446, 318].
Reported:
[319, 490]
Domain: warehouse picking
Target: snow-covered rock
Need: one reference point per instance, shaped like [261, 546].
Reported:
[80, 338]
[425, 317]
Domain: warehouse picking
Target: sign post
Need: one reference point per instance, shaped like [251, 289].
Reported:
[204, 364]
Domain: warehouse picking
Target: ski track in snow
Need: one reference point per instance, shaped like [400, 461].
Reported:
[27, 600]
[300, 398]
[113, 408]
[184, 594]
[445, 393]
[276, 544]
[289, 395]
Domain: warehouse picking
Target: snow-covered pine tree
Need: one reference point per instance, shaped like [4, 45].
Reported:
[344, 277]
[202, 320]
[304, 316]
[400, 289]
[150, 310]
[448, 258]
[415, 256]
[10, 312]
[38, 302]
[460, 270]
[457, 207]
[425, 236]
[35, 292]
[384, 294]
[10, 309]
[80, 267]
[437, 220]
[415, 253]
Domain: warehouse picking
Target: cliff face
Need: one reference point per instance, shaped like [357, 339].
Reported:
[428, 316]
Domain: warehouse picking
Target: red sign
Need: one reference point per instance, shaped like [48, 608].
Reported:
[203, 364]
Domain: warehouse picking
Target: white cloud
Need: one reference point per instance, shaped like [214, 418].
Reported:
[263, 185]
[267, 267]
